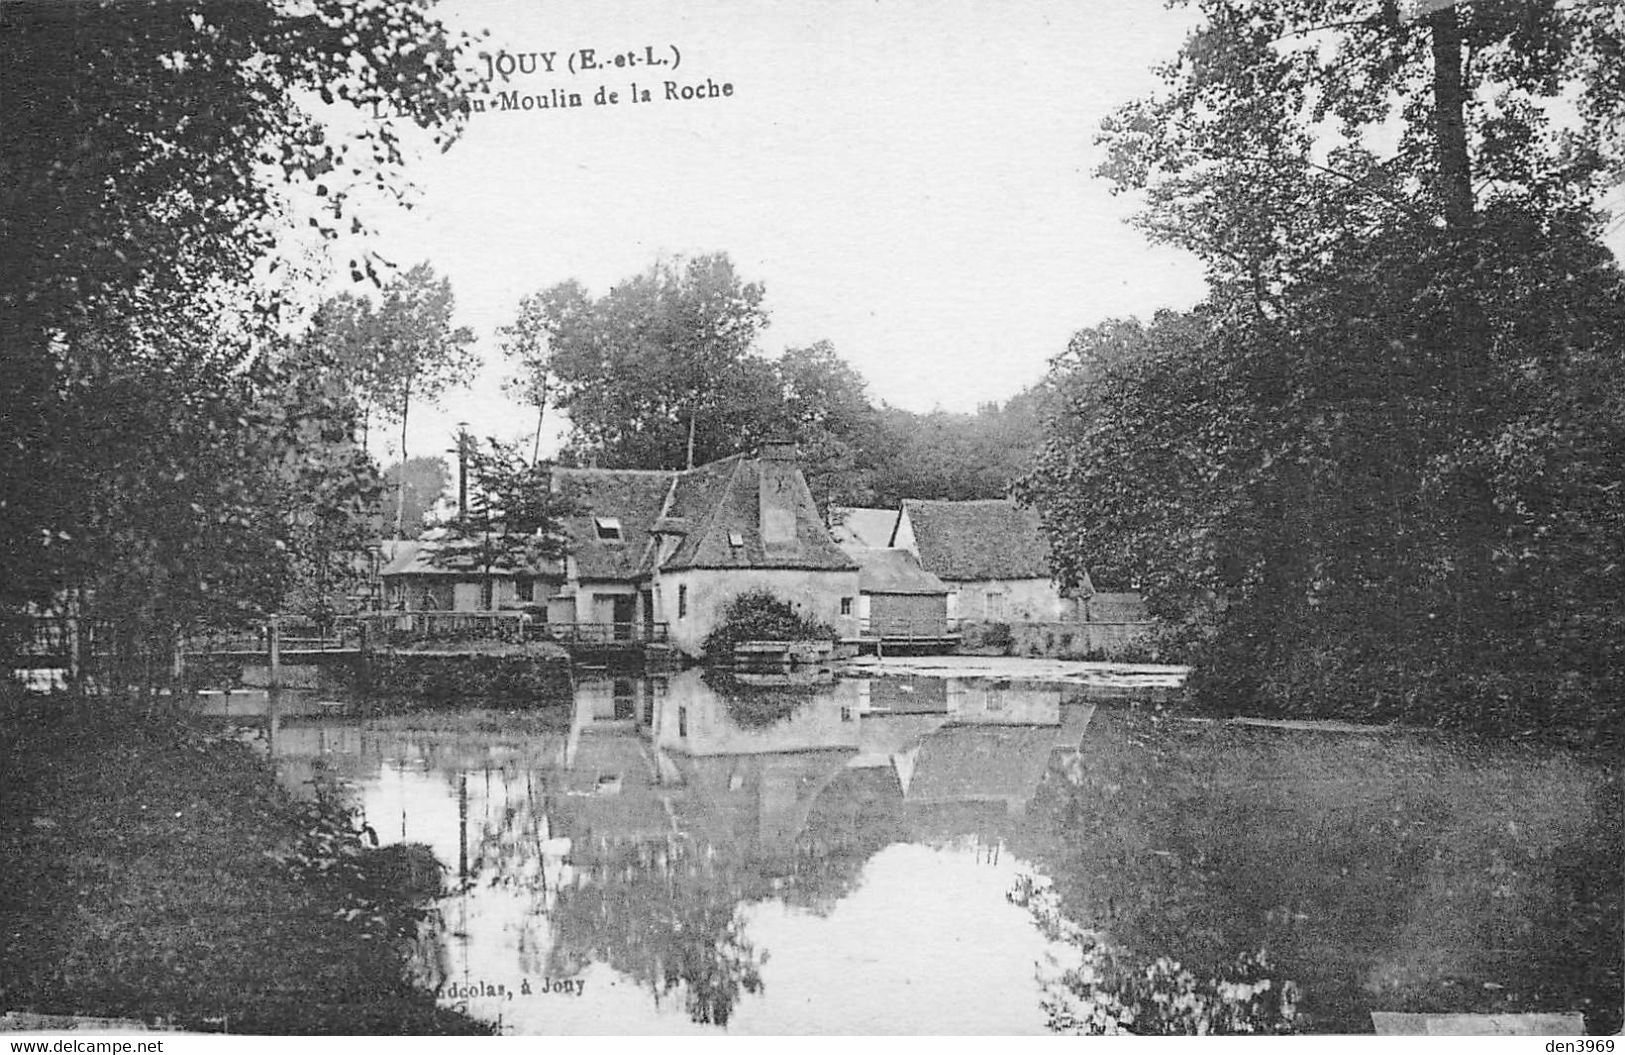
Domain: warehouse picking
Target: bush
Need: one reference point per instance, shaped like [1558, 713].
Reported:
[760, 615]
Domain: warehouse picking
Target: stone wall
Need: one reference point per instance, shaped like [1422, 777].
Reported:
[1136, 641]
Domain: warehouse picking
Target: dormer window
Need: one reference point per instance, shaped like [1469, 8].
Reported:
[736, 539]
[609, 529]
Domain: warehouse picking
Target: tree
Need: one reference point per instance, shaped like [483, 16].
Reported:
[1327, 448]
[527, 342]
[827, 411]
[513, 518]
[952, 455]
[1265, 153]
[1126, 484]
[660, 371]
[405, 347]
[421, 482]
[140, 189]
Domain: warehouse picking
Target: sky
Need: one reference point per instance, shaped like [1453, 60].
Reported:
[909, 180]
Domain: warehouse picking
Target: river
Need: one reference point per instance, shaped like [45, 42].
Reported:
[690, 853]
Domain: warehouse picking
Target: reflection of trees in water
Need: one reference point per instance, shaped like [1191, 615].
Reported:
[1403, 872]
[1583, 914]
[506, 838]
[428, 961]
[666, 914]
[759, 706]
[1115, 989]
[855, 817]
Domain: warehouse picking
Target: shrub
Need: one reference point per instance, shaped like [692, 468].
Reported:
[760, 615]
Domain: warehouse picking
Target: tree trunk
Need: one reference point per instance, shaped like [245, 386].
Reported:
[692, 414]
[1475, 615]
[1455, 180]
[541, 411]
[400, 477]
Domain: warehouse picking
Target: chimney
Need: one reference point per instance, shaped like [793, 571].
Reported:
[777, 491]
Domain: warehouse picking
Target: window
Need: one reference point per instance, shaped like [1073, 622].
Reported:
[609, 528]
[682, 602]
[524, 589]
[846, 606]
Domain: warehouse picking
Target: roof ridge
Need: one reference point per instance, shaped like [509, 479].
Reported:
[627, 472]
[715, 507]
[964, 501]
[715, 462]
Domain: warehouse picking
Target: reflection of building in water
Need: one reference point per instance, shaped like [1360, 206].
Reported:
[752, 760]
[1002, 702]
[905, 695]
[629, 830]
[693, 718]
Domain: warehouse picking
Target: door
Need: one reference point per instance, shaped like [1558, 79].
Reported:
[624, 612]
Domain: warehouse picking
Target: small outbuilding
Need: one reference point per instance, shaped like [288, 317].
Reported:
[992, 555]
[897, 598]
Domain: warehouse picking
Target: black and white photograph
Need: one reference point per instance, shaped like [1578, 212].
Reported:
[877, 518]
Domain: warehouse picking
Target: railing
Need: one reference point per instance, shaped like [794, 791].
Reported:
[343, 639]
[599, 634]
[502, 626]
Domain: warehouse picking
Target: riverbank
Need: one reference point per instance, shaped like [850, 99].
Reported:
[151, 870]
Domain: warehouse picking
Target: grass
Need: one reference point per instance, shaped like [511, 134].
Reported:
[143, 875]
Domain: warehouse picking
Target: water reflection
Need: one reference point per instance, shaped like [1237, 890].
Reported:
[692, 853]
[650, 838]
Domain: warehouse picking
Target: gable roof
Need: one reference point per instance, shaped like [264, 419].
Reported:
[893, 571]
[631, 496]
[721, 503]
[974, 541]
[864, 528]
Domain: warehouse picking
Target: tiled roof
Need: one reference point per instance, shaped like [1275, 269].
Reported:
[721, 504]
[975, 541]
[893, 571]
[457, 558]
[631, 496]
[866, 528]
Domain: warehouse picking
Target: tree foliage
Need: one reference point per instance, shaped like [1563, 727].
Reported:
[527, 343]
[513, 517]
[422, 481]
[630, 366]
[404, 348]
[154, 453]
[954, 456]
[1377, 473]
[659, 372]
